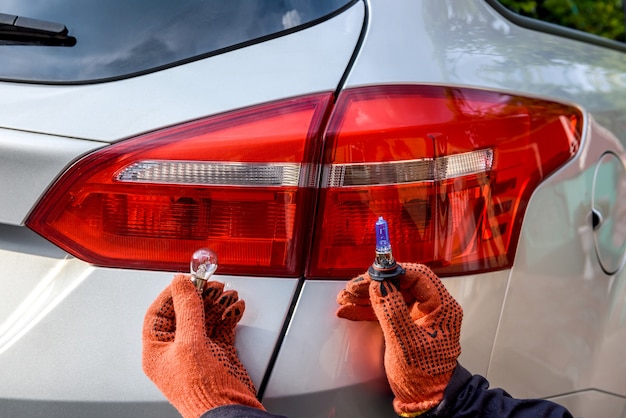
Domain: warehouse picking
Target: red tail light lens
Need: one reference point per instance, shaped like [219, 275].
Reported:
[239, 183]
[451, 170]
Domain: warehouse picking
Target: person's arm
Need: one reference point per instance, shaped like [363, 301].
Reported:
[421, 324]
[238, 411]
[469, 395]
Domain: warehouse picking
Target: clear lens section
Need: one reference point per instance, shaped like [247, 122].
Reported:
[204, 173]
[463, 164]
[396, 172]
[450, 169]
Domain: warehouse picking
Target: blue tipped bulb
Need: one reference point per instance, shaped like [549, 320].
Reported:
[384, 259]
[384, 266]
[382, 236]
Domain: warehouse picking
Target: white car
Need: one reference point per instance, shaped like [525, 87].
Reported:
[276, 133]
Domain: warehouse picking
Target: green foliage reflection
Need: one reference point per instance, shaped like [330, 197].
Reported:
[599, 17]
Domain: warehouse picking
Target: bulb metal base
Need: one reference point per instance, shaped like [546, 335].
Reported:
[391, 273]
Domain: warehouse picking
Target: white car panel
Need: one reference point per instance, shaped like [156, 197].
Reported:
[557, 281]
[593, 403]
[103, 342]
[28, 165]
[342, 353]
[466, 43]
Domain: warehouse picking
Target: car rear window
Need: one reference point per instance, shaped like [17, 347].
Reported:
[122, 38]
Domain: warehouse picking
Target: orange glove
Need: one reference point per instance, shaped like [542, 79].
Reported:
[421, 326]
[354, 301]
[188, 348]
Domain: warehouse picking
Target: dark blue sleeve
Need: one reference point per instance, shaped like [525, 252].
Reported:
[237, 411]
[465, 396]
[470, 396]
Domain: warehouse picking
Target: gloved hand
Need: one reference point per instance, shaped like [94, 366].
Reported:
[188, 348]
[421, 324]
[354, 301]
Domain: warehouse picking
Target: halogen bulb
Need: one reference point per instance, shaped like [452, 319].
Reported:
[384, 259]
[382, 236]
[384, 265]
[203, 265]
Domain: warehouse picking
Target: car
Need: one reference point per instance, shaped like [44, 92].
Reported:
[276, 134]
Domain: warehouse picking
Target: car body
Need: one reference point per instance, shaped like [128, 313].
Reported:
[544, 318]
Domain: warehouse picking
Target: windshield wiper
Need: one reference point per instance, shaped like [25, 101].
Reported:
[18, 30]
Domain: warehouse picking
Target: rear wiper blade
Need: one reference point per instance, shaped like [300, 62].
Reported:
[19, 30]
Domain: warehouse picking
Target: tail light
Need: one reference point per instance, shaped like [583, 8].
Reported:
[238, 183]
[450, 169]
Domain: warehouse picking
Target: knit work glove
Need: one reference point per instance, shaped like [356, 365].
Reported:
[188, 348]
[421, 324]
[354, 301]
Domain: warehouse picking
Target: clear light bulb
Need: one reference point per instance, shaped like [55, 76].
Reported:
[203, 264]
